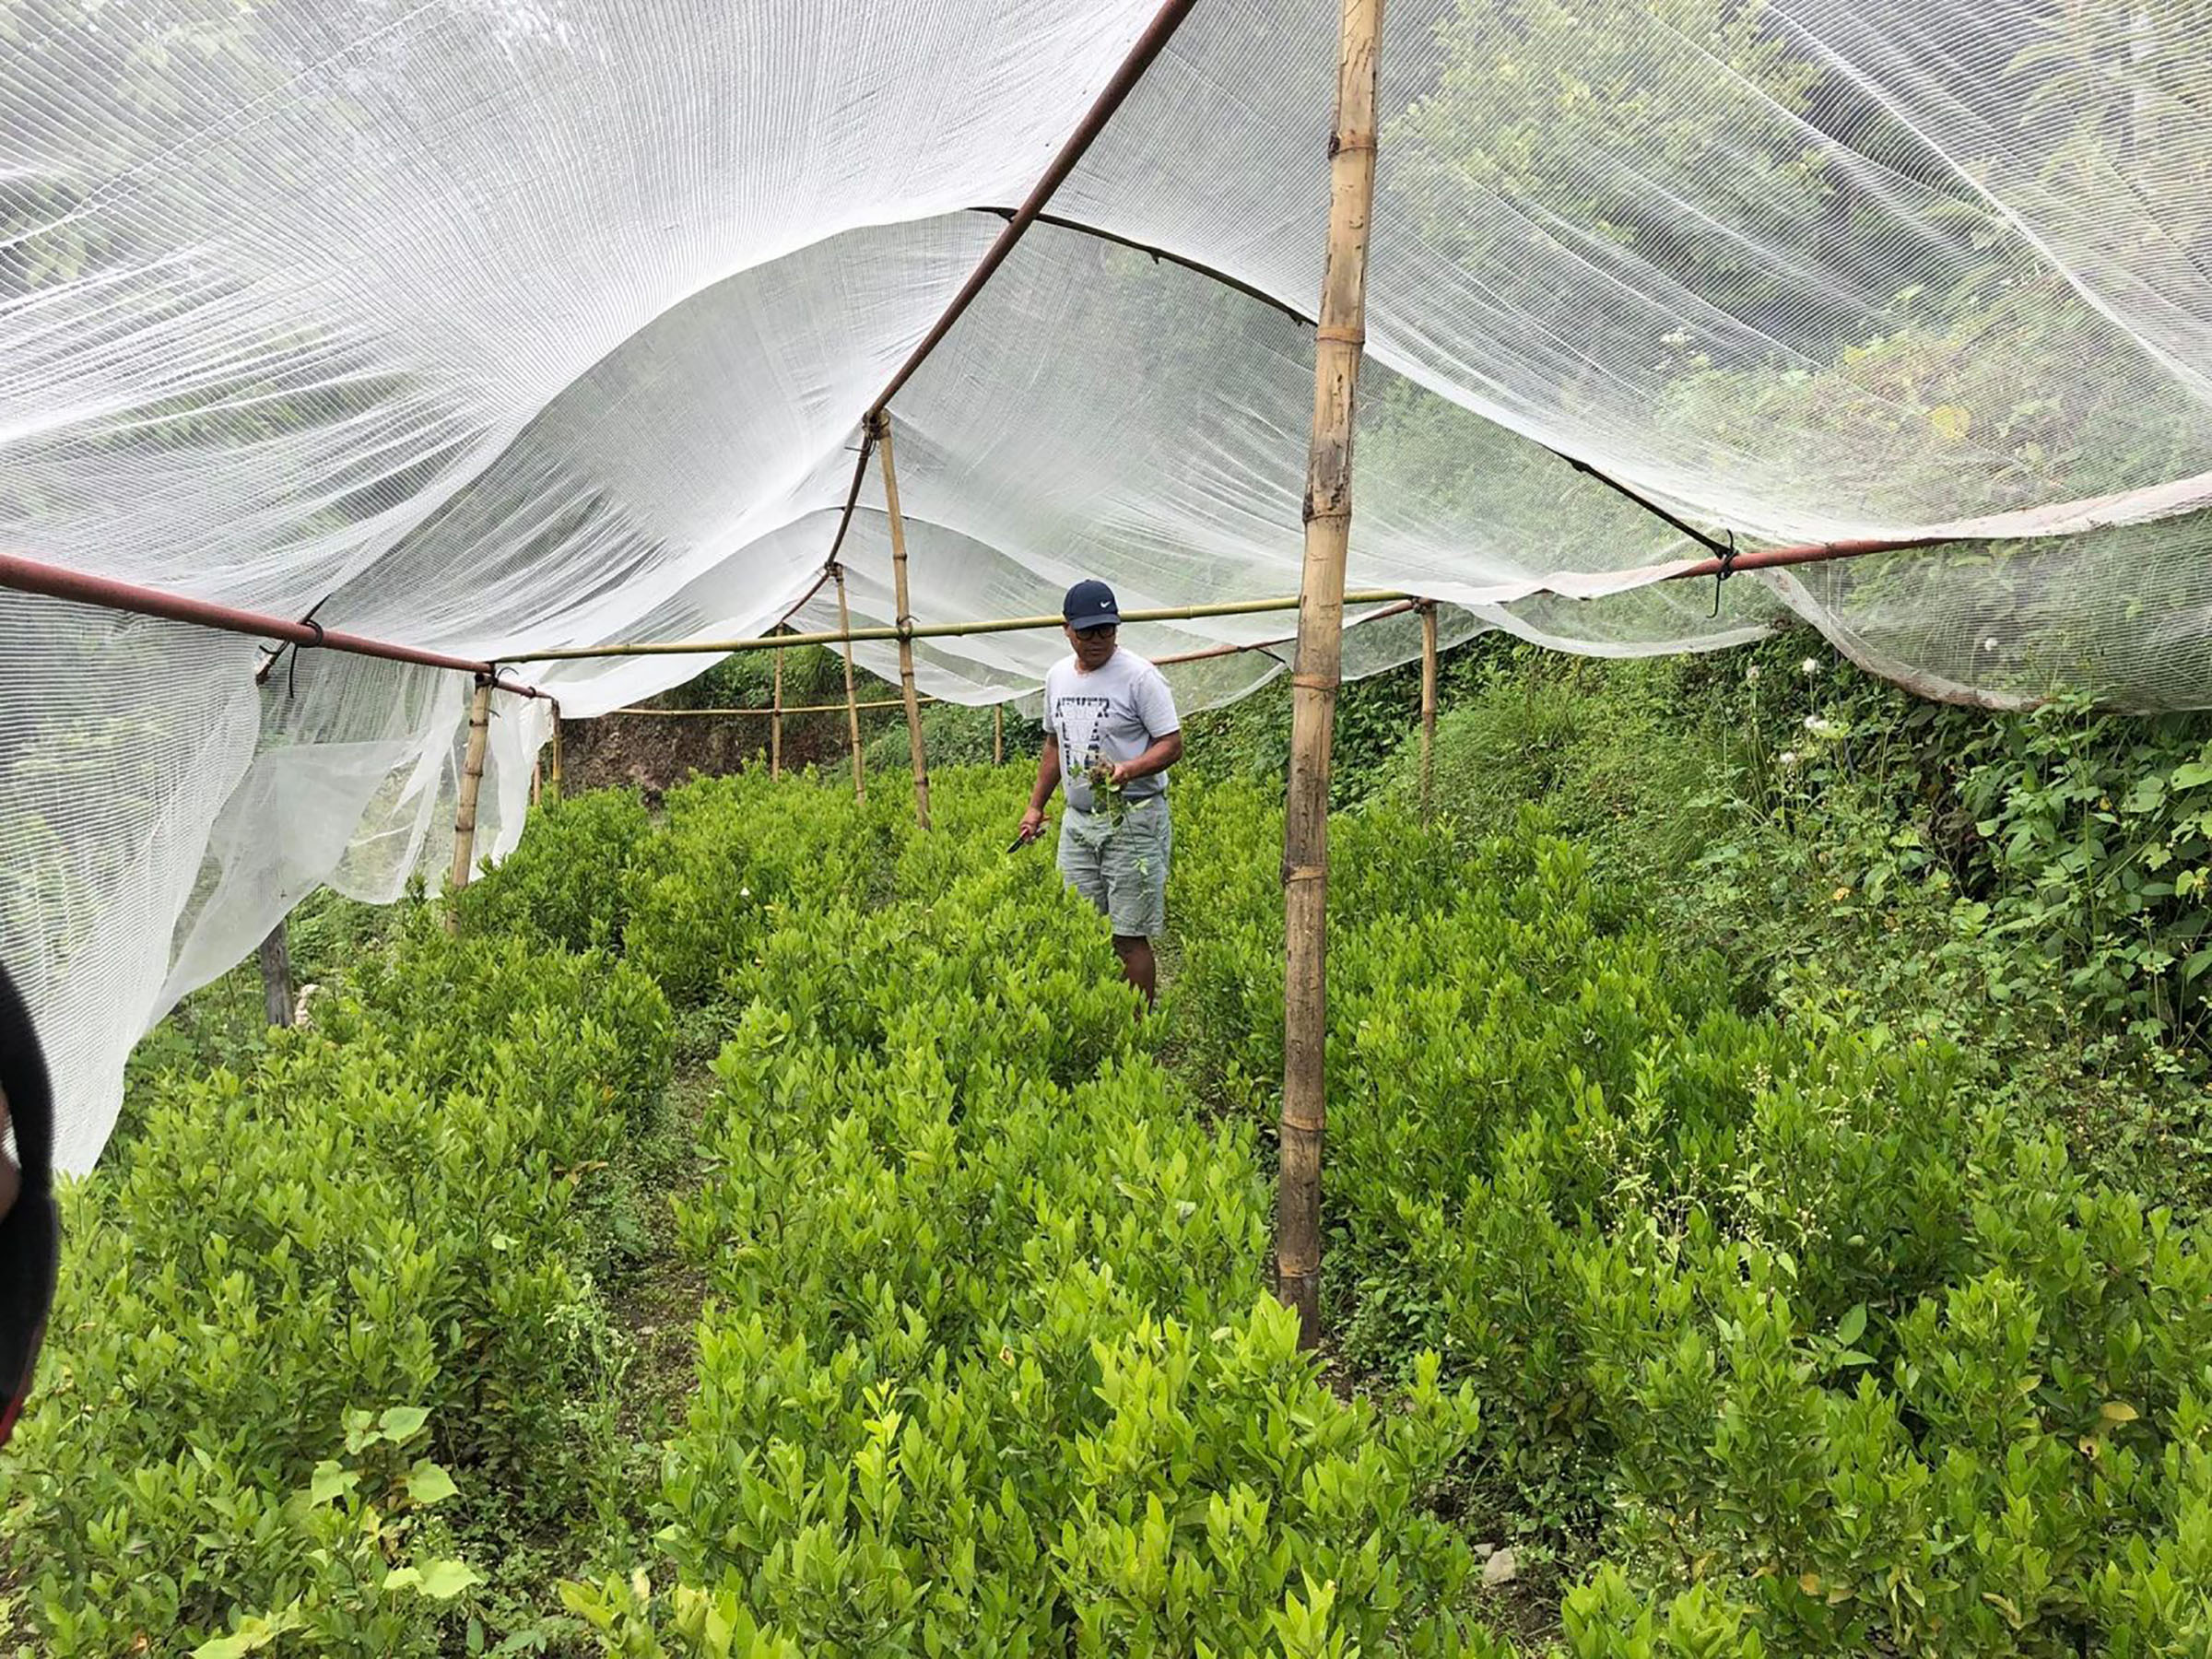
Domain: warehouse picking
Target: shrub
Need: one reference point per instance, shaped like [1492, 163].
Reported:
[568, 880]
[1831, 1355]
[988, 1368]
[395, 1214]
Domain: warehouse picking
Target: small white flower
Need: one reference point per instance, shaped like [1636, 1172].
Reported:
[1990, 643]
[1810, 666]
[745, 892]
[1788, 757]
[1751, 674]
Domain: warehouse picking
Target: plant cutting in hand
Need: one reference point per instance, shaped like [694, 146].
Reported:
[1108, 792]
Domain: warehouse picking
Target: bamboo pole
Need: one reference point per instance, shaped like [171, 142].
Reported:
[775, 723]
[844, 627]
[1328, 515]
[472, 782]
[556, 777]
[998, 733]
[1428, 702]
[943, 631]
[906, 623]
[276, 976]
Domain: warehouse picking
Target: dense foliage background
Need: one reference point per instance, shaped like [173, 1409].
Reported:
[1766, 1185]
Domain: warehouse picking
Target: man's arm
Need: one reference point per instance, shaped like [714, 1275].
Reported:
[1164, 753]
[1048, 779]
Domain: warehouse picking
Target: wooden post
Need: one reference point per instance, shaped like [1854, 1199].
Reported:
[471, 780]
[775, 723]
[276, 976]
[998, 733]
[1428, 702]
[844, 625]
[905, 622]
[556, 777]
[1338, 338]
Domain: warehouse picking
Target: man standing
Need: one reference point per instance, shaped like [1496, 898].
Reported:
[1110, 735]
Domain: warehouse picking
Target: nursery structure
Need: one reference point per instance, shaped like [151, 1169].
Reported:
[372, 377]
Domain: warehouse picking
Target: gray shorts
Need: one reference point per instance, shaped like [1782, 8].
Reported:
[1121, 869]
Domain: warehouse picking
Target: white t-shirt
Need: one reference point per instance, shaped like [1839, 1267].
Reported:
[1114, 712]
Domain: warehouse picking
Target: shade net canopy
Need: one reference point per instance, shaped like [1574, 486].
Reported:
[490, 325]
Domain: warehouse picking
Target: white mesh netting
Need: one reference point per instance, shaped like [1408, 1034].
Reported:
[487, 324]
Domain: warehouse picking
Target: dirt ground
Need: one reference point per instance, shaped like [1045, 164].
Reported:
[651, 754]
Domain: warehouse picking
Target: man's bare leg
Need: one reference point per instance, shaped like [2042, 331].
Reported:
[1137, 964]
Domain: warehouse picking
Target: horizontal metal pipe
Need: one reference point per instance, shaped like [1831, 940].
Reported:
[1774, 558]
[54, 582]
[932, 630]
[1211, 653]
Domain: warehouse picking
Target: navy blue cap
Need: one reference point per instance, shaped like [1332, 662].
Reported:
[1090, 605]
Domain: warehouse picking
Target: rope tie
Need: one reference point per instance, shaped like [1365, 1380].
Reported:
[291, 675]
[270, 661]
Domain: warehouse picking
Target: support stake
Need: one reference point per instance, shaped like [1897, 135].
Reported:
[998, 733]
[471, 780]
[844, 627]
[276, 975]
[1428, 702]
[556, 777]
[905, 620]
[1328, 515]
[775, 723]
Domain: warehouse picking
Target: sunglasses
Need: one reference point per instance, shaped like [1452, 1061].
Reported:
[31, 1232]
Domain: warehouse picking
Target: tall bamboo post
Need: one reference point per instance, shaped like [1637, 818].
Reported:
[844, 625]
[556, 775]
[276, 976]
[1338, 338]
[775, 723]
[998, 733]
[471, 780]
[1428, 702]
[905, 622]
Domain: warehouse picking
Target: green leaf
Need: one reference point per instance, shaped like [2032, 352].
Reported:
[1951, 421]
[428, 1484]
[403, 1423]
[250, 1636]
[2195, 774]
[1852, 1326]
[441, 1581]
[331, 1482]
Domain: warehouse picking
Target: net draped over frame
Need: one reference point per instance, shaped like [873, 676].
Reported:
[494, 325]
